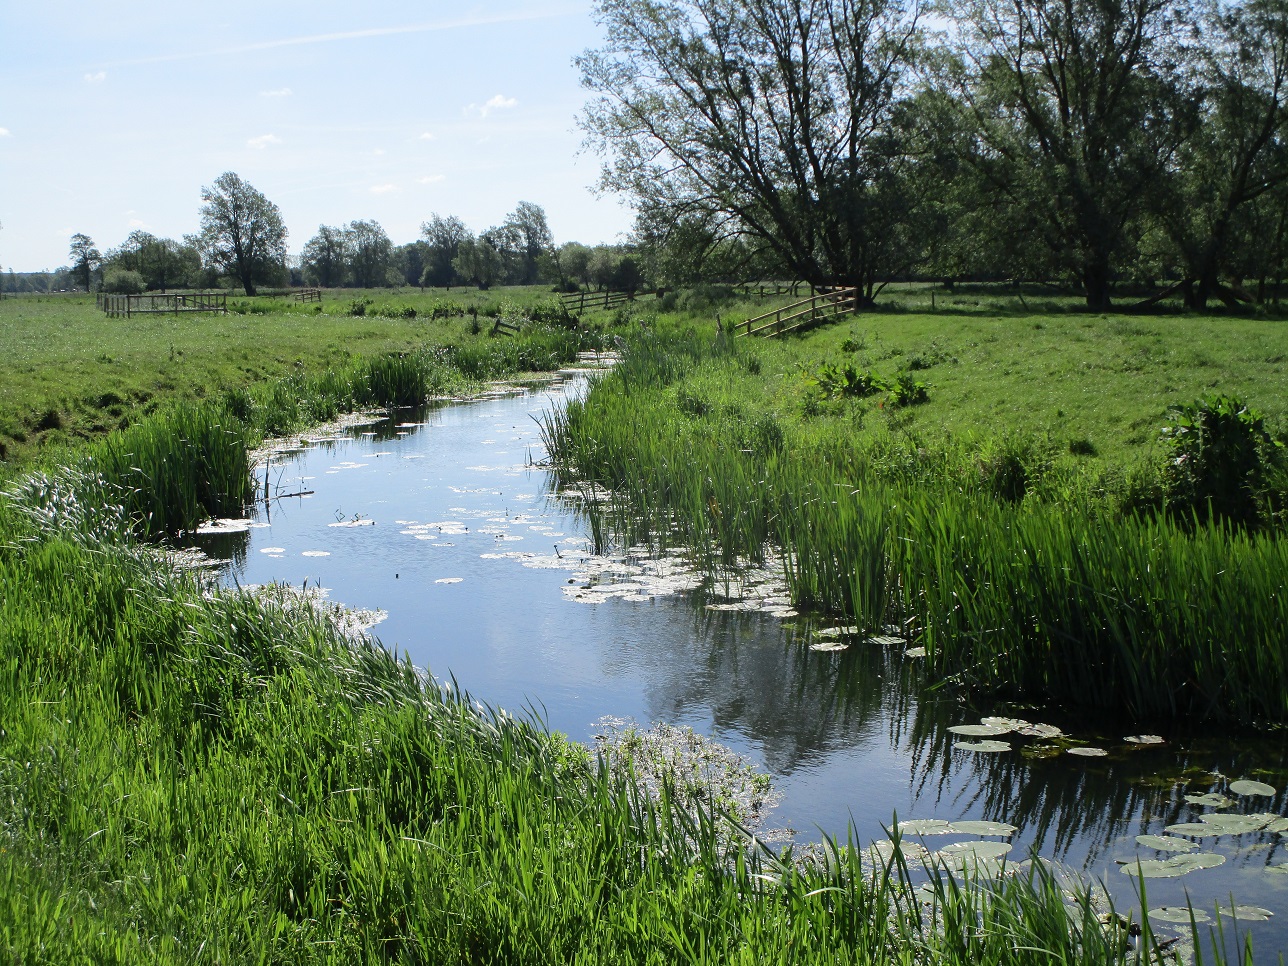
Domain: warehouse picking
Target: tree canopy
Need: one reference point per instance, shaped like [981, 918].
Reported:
[242, 233]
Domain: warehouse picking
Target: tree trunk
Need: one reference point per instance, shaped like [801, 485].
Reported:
[1095, 282]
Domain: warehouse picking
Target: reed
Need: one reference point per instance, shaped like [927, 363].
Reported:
[1136, 614]
[194, 774]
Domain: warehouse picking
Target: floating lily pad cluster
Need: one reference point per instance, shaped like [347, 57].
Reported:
[989, 730]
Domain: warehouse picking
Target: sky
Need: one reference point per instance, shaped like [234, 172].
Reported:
[113, 116]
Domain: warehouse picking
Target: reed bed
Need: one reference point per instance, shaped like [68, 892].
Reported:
[1135, 614]
[201, 775]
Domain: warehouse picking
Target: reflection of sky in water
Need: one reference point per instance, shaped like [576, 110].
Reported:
[444, 523]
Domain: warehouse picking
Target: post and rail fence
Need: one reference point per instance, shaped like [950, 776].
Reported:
[308, 295]
[578, 302]
[824, 304]
[125, 306]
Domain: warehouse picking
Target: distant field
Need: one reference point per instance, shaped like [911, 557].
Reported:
[72, 372]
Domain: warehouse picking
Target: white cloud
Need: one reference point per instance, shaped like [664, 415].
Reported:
[383, 189]
[427, 136]
[138, 223]
[432, 179]
[498, 103]
[96, 78]
[263, 141]
[280, 92]
[5, 133]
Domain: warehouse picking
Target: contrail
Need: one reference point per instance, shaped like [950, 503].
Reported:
[418, 28]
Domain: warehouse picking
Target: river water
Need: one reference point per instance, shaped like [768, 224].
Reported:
[444, 521]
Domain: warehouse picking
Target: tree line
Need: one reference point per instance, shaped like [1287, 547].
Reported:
[242, 241]
[1090, 142]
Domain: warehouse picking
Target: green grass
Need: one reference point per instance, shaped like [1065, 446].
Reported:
[1038, 580]
[71, 373]
[192, 775]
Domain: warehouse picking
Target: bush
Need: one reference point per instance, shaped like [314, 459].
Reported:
[1222, 459]
[123, 281]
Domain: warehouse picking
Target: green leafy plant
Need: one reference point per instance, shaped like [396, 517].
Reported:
[845, 380]
[1222, 455]
[907, 391]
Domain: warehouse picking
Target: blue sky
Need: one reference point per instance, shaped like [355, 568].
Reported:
[114, 115]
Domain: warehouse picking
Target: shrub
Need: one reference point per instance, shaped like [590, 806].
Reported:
[907, 391]
[358, 307]
[123, 281]
[1222, 458]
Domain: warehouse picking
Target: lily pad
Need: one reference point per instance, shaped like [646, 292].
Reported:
[1006, 724]
[1165, 843]
[1179, 915]
[926, 826]
[962, 854]
[1211, 800]
[1280, 869]
[1143, 740]
[984, 828]
[978, 731]
[1194, 829]
[1088, 752]
[886, 640]
[915, 652]
[1246, 787]
[1039, 730]
[1247, 913]
[883, 850]
[984, 746]
[1229, 824]
[1177, 865]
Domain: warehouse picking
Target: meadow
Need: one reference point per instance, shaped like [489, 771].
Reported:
[196, 774]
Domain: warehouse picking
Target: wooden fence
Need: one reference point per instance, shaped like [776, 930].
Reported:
[124, 306]
[309, 295]
[797, 315]
[579, 302]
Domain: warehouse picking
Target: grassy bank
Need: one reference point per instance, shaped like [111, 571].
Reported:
[1032, 578]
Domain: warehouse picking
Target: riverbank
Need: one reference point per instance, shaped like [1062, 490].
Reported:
[1021, 571]
[205, 774]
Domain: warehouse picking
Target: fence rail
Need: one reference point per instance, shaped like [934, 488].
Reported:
[308, 295]
[579, 302]
[124, 306]
[797, 315]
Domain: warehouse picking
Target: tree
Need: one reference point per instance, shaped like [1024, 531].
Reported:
[1237, 155]
[443, 238]
[162, 263]
[780, 115]
[370, 252]
[242, 233]
[534, 239]
[1080, 106]
[409, 260]
[479, 261]
[86, 259]
[326, 257]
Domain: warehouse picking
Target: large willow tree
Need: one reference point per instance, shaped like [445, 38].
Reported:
[779, 118]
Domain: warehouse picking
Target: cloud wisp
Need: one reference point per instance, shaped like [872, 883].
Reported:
[498, 103]
[369, 32]
[96, 78]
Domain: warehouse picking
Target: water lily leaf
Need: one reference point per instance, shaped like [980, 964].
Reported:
[1175, 866]
[1212, 800]
[985, 746]
[984, 828]
[1247, 913]
[1246, 787]
[978, 731]
[1006, 724]
[915, 652]
[1277, 824]
[1280, 869]
[1228, 824]
[1179, 915]
[972, 851]
[926, 826]
[1165, 843]
[1039, 731]
[886, 640]
[1195, 829]
[883, 850]
[1143, 740]
[1088, 752]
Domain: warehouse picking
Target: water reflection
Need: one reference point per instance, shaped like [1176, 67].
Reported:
[851, 736]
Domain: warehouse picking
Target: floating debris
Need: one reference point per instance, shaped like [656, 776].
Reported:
[315, 553]
[353, 523]
[272, 550]
[224, 525]
[449, 580]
